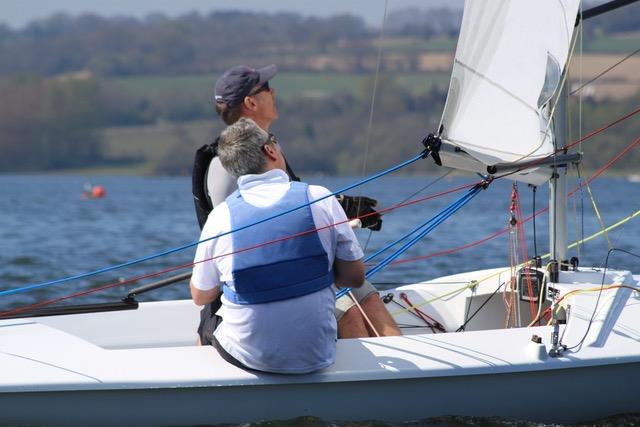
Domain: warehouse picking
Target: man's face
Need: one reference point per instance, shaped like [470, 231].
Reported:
[265, 99]
[272, 148]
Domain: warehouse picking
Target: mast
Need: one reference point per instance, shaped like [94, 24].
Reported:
[558, 235]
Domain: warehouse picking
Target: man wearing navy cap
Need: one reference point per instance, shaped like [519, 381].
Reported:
[240, 84]
[243, 91]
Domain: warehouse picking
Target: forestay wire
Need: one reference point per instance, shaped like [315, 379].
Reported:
[582, 86]
[372, 109]
[375, 89]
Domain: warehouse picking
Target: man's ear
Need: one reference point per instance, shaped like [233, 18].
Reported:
[271, 151]
[249, 103]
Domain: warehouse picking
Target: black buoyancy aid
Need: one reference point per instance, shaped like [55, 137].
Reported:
[201, 163]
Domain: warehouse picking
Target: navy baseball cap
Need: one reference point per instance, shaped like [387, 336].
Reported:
[239, 81]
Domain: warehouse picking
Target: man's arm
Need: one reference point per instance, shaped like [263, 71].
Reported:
[348, 274]
[201, 297]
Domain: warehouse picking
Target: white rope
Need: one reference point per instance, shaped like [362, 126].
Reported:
[366, 318]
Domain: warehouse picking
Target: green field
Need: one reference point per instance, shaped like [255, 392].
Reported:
[414, 45]
[145, 146]
[151, 140]
[200, 87]
[141, 148]
[623, 44]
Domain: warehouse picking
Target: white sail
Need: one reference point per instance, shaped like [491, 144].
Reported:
[508, 64]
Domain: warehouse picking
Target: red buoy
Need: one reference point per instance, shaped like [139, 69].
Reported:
[97, 191]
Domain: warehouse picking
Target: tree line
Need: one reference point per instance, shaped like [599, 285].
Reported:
[53, 124]
[48, 124]
[196, 43]
[51, 118]
[191, 44]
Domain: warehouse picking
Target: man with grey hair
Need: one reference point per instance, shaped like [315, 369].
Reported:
[275, 276]
[244, 91]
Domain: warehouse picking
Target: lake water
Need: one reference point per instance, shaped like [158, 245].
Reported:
[47, 231]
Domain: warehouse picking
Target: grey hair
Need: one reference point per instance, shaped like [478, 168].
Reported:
[240, 148]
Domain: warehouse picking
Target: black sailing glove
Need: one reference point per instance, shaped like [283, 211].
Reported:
[356, 206]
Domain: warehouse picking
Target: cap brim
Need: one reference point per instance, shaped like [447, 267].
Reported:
[267, 73]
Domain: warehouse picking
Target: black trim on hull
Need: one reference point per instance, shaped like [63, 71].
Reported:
[126, 304]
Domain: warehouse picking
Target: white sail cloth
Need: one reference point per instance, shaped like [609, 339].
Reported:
[509, 61]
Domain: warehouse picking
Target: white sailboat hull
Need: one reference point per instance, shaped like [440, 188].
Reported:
[142, 367]
[579, 394]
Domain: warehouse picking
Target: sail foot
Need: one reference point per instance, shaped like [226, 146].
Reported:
[534, 172]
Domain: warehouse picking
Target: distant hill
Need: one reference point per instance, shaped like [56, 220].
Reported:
[198, 44]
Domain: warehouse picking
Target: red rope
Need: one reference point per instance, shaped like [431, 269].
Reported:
[603, 128]
[158, 273]
[581, 185]
[529, 218]
[607, 165]
[510, 314]
[450, 251]
[588, 136]
[422, 315]
[525, 254]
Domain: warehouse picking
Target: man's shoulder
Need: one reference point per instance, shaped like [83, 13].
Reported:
[218, 219]
[326, 202]
[318, 191]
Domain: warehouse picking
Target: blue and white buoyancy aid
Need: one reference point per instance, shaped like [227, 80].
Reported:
[281, 270]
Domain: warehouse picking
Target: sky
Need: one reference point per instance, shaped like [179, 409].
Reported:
[17, 13]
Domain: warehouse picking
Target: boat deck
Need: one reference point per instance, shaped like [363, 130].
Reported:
[154, 346]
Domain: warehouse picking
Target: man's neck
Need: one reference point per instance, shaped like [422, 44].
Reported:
[271, 166]
[263, 123]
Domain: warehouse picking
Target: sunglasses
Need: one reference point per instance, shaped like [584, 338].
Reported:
[271, 139]
[262, 88]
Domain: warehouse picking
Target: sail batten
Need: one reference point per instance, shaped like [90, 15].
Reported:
[508, 64]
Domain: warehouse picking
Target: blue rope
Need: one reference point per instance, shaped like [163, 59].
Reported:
[428, 226]
[189, 245]
[419, 227]
[423, 233]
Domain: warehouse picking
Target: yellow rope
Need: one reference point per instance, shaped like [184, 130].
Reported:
[603, 231]
[576, 229]
[564, 302]
[598, 215]
[476, 282]
[471, 284]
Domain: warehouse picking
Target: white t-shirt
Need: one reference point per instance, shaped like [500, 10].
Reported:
[291, 336]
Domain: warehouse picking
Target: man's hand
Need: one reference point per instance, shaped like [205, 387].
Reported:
[356, 206]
